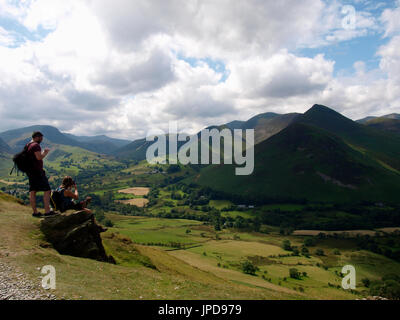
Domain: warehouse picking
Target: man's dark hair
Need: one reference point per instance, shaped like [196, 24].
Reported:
[37, 134]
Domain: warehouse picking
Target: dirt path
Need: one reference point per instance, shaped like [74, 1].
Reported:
[14, 286]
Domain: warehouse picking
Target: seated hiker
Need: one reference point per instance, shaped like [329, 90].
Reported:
[67, 200]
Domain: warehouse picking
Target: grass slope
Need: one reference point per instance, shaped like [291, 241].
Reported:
[377, 144]
[305, 162]
[143, 273]
[384, 124]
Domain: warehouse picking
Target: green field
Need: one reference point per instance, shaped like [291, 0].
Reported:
[223, 257]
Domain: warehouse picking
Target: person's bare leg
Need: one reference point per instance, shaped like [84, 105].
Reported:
[33, 201]
[46, 200]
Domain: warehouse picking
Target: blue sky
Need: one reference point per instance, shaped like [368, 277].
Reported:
[20, 33]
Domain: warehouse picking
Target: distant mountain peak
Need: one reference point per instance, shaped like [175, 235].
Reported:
[321, 108]
[393, 116]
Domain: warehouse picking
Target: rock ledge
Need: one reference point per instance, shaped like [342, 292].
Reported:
[76, 235]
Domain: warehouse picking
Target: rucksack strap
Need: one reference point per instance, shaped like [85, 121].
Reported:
[13, 169]
[28, 145]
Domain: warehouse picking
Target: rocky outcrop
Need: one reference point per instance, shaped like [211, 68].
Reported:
[76, 235]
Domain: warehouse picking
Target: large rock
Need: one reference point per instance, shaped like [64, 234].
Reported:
[76, 235]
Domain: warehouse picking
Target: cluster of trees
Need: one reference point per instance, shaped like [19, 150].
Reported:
[106, 202]
[387, 287]
[249, 268]
[296, 274]
[387, 245]
[100, 217]
[296, 251]
[337, 217]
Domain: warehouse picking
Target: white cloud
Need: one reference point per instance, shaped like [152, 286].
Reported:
[6, 38]
[391, 19]
[117, 67]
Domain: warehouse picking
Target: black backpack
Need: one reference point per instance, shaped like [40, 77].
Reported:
[56, 201]
[23, 161]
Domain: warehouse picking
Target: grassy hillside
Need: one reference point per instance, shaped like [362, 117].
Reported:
[63, 160]
[142, 272]
[305, 162]
[375, 143]
[384, 124]
[4, 147]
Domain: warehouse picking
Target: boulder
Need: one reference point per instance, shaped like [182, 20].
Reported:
[76, 234]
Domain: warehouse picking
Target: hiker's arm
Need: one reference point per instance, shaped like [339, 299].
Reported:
[70, 194]
[41, 156]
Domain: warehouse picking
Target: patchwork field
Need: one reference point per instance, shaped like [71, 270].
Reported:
[136, 191]
[141, 203]
[222, 254]
[10, 183]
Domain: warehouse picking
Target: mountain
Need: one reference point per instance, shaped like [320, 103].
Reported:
[136, 150]
[67, 156]
[392, 116]
[381, 146]
[100, 144]
[388, 116]
[4, 147]
[385, 124]
[366, 119]
[99, 139]
[265, 126]
[321, 156]
[18, 138]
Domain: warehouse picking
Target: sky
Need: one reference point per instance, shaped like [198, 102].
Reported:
[124, 68]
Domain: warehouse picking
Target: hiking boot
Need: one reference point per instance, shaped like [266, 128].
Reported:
[37, 215]
[49, 214]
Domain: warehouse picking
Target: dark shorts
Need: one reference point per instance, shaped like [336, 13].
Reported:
[38, 181]
[73, 206]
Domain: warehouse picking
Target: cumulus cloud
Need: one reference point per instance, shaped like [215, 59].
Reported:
[391, 19]
[128, 67]
[283, 75]
[152, 74]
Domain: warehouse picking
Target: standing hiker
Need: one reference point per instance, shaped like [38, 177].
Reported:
[37, 176]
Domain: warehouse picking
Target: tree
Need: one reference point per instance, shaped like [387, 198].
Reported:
[257, 224]
[305, 251]
[294, 274]
[309, 242]
[109, 224]
[286, 245]
[296, 252]
[366, 282]
[249, 268]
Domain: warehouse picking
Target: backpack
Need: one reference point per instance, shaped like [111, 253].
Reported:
[56, 200]
[22, 161]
